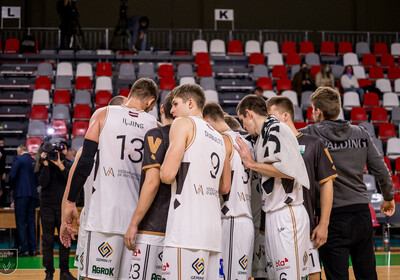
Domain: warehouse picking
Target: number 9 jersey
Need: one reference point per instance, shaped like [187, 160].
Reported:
[194, 218]
[116, 183]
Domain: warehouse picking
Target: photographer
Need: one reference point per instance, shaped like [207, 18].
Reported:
[53, 179]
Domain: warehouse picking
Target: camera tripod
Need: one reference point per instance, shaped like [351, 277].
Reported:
[77, 38]
[121, 30]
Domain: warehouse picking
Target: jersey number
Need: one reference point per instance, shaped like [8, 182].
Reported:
[134, 271]
[215, 165]
[139, 149]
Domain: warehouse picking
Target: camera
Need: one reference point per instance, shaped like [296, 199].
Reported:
[52, 150]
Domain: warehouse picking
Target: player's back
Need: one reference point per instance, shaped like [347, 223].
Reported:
[194, 220]
[118, 168]
[238, 201]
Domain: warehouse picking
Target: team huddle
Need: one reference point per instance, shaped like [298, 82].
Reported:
[197, 196]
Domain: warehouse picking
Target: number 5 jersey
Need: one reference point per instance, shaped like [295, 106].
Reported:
[116, 183]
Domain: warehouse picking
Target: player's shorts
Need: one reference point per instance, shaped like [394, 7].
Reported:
[314, 266]
[287, 239]
[237, 247]
[106, 256]
[146, 261]
[259, 269]
[183, 264]
[80, 246]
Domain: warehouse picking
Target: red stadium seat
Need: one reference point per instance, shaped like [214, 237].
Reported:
[60, 127]
[202, 58]
[306, 47]
[299, 125]
[279, 72]
[204, 70]
[124, 92]
[43, 82]
[369, 60]
[386, 131]
[79, 128]
[288, 47]
[315, 69]
[283, 84]
[12, 46]
[292, 59]
[375, 222]
[82, 112]
[364, 82]
[235, 48]
[344, 47]
[396, 183]
[256, 59]
[393, 73]
[397, 166]
[380, 49]
[83, 83]
[62, 96]
[310, 115]
[327, 49]
[371, 100]
[181, 52]
[33, 143]
[387, 61]
[357, 115]
[265, 83]
[166, 70]
[104, 69]
[102, 98]
[375, 72]
[167, 83]
[387, 162]
[39, 112]
[379, 115]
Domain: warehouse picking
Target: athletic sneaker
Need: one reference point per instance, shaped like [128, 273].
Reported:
[67, 276]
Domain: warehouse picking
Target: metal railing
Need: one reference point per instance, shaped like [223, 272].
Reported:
[360, 36]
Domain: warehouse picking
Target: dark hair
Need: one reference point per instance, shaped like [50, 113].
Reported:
[325, 73]
[145, 20]
[187, 91]
[254, 103]
[167, 106]
[144, 88]
[258, 89]
[232, 122]
[283, 103]
[328, 101]
[351, 67]
[213, 111]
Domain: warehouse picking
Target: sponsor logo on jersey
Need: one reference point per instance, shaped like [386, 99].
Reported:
[243, 262]
[347, 144]
[198, 190]
[155, 276]
[137, 255]
[304, 277]
[241, 196]
[221, 269]
[165, 269]
[201, 190]
[133, 114]
[109, 171]
[103, 270]
[81, 261]
[282, 264]
[132, 123]
[198, 266]
[302, 149]
[105, 250]
[281, 229]
[305, 258]
[160, 256]
[153, 145]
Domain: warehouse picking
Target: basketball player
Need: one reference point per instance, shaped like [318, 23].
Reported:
[279, 161]
[320, 169]
[194, 163]
[145, 235]
[116, 135]
[237, 221]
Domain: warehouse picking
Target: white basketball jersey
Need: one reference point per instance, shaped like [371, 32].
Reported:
[194, 218]
[118, 168]
[238, 201]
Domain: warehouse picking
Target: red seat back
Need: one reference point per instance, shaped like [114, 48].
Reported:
[60, 127]
[201, 58]
[306, 47]
[387, 162]
[102, 97]
[83, 83]
[104, 69]
[82, 111]
[315, 69]
[124, 92]
[364, 82]
[344, 47]
[387, 60]
[376, 72]
[310, 115]
[166, 70]
[235, 48]
[293, 59]
[265, 83]
[288, 47]
[369, 60]
[371, 100]
[39, 112]
[204, 70]
[357, 115]
[43, 82]
[393, 73]
[279, 72]
[62, 96]
[79, 128]
[256, 59]
[380, 48]
[167, 83]
[379, 115]
[328, 48]
[33, 143]
[386, 131]
[12, 46]
[283, 84]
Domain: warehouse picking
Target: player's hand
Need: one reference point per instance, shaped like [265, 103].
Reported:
[129, 238]
[67, 230]
[244, 152]
[66, 234]
[320, 234]
[388, 207]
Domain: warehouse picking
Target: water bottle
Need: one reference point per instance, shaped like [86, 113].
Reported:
[151, 49]
[386, 238]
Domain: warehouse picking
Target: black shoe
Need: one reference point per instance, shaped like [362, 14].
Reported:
[23, 254]
[49, 276]
[32, 253]
[67, 276]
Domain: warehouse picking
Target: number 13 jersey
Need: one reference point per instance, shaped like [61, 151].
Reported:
[194, 218]
[118, 168]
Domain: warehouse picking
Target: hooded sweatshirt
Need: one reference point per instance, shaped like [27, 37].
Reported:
[351, 148]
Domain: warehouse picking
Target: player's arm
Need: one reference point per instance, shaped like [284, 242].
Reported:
[265, 169]
[179, 137]
[225, 181]
[147, 195]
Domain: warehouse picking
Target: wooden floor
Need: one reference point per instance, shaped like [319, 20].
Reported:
[384, 273]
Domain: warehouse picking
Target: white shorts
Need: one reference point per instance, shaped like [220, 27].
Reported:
[287, 239]
[106, 256]
[314, 265]
[237, 247]
[183, 264]
[259, 269]
[80, 246]
[146, 261]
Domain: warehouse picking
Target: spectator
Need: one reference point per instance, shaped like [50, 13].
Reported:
[349, 82]
[53, 179]
[24, 181]
[259, 92]
[2, 172]
[64, 9]
[71, 153]
[303, 80]
[324, 78]
[138, 29]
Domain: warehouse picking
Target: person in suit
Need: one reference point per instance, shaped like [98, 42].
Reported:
[24, 181]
